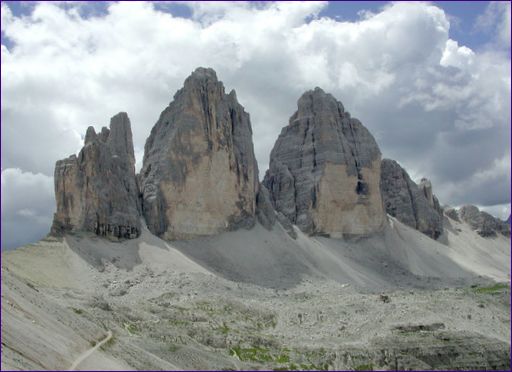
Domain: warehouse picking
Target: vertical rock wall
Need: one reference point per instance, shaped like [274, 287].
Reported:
[325, 170]
[200, 175]
[97, 191]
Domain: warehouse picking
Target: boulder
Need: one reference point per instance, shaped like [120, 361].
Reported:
[325, 170]
[97, 191]
[199, 175]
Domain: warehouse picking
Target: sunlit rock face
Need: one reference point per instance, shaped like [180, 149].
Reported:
[199, 175]
[97, 190]
[325, 170]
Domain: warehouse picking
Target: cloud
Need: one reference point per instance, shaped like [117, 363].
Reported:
[440, 108]
[27, 207]
[496, 21]
[500, 211]
[459, 57]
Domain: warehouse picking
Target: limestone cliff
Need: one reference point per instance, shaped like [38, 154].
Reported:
[411, 204]
[325, 170]
[482, 222]
[97, 191]
[199, 175]
[426, 186]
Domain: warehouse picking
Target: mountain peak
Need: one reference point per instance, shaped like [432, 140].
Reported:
[317, 101]
[204, 73]
[199, 163]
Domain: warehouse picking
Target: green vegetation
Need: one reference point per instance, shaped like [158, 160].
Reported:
[252, 354]
[279, 356]
[77, 311]
[108, 344]
[92, 343]
[178, 322]
[174, 348]
[131, 328]
[259, 354]
[496, 288]
[224, 329]
[283, 358]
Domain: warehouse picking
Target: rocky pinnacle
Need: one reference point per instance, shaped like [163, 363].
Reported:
[199, 175]
[325, 170]
[97, 191]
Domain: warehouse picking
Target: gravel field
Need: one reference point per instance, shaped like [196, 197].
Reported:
[258, 299]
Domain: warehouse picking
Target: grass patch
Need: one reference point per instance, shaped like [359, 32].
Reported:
[493, 289]
[108, 344]
[224, 329]
[261, 355]
[77, 311]
[131, 328]
[174, 348]
[283, 358]
[178, 322]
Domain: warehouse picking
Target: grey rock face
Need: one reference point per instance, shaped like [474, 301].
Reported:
[267, 216]
[97, 191]
[325, 170]
[411, 204]
[426, 186]
[452, 213]
[200, 175]
[482, 222]
[264, 209]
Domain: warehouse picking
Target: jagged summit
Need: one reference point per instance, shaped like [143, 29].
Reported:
[199, 175]
[325, 170]
[316, 100]
[203, 73]
[118, 136]
[97, 191]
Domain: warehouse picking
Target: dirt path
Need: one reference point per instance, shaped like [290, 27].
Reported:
[88, 353]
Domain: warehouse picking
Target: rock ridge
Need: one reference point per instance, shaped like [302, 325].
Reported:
[412, 204]
[482, 222]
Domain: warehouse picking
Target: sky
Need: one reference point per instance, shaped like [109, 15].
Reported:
[430, 80]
